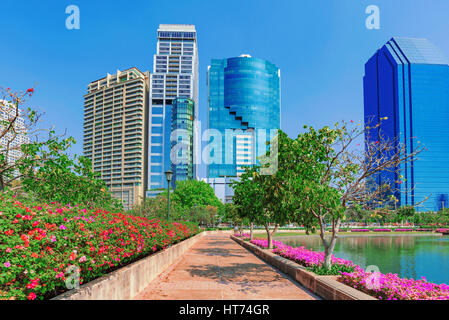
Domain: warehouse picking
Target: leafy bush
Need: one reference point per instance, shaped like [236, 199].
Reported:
[38, 242]
[49, 174]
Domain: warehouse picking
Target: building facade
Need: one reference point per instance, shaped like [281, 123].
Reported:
[244, 113]
[181, 154]
[175, 75]
[406, 83]
[11, 142]
[222, 187]
[115, 129]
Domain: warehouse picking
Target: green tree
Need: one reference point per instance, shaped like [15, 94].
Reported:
[261, 196]
[156, 207]
[191, 193]
[405, 213]
[326, 174]
[248, 198]
[49, 174]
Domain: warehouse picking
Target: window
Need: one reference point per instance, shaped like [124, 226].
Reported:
[156, 149]
[157, 120]
[156, 129]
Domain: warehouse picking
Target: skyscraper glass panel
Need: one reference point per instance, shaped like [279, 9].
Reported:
[407, 82]
[181, 156]
[244, 103]
[175, 75]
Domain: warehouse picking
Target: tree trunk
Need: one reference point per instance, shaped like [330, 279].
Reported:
[270, 242]
[270, 235]
[241, 229]
[329, 248]
[251, 227]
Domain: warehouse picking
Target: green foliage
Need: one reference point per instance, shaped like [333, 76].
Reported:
[50, 175]
[192, 200]
[334, 270]
[406, 212]
[155, 207]
[193, 193]
[248, 204]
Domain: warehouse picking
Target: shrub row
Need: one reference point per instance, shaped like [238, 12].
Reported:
[44, 247]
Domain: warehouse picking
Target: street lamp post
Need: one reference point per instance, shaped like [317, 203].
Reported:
[168, 175]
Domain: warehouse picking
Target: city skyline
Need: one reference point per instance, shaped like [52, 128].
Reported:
[320, 75]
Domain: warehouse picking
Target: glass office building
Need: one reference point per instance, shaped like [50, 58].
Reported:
[407, 81]
[175, 75]
[244, 112]
[181, 155]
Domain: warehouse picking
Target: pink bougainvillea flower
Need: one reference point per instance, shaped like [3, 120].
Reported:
[7, 264]
[62, 227]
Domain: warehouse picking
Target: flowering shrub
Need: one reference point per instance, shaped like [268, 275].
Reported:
[38, 242]
[382, 230]
[382, 286]
[313, 260]
[360, 230]
[244, 235]
[391, 287]
[442, 230]
[424, 230]
[403, 230]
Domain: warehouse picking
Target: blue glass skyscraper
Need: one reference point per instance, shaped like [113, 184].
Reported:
[244, 112]
[175, 75]
[182, 122]
[407, 81]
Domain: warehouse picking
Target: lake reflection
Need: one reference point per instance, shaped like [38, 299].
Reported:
[407, 255]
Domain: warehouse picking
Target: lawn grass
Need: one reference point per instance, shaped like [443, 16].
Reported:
[291, 234]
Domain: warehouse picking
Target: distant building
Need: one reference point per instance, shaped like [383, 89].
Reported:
[407, 81]
[222, 187]
[11, 142]
[244, 112]
[115, 128]
[175, 75]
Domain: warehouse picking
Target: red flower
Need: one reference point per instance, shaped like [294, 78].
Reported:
[30, 90]
[31, 296]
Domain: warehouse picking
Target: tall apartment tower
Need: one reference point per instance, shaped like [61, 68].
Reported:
[245, 109]
[407, 82]
[175, 75]
[11, 142]
[115, 129]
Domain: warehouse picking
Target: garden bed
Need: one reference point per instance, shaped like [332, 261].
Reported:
[326, 287]
[42, 244]
[381, 286]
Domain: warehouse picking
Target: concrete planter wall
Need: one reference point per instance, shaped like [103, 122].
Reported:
[127, 282]
[326, 287]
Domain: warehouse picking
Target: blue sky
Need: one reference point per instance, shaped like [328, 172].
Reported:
[320, 46]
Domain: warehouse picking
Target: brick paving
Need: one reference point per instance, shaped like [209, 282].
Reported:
[217, 268]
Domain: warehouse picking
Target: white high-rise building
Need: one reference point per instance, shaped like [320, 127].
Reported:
[175, 75]
[10, 143]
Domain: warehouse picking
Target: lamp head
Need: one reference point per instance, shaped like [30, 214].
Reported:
[168, 175]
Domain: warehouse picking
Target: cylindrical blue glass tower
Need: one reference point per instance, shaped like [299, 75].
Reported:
[244, 101]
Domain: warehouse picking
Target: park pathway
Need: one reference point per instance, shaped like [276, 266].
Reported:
[217, 268]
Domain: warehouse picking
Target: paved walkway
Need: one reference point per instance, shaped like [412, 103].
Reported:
[217, 268]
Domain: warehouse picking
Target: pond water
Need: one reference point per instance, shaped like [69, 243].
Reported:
[410, 256]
